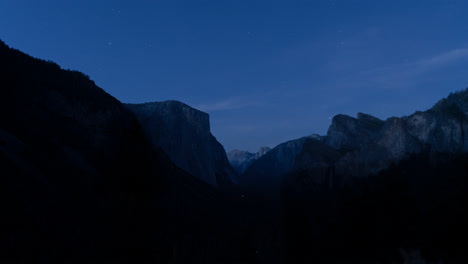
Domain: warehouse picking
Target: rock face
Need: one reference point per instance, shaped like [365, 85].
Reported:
[346, 132]
[355, 184]
[374, 173]
[362, 146]
[241, 160]
[369, 145]
[184, 134]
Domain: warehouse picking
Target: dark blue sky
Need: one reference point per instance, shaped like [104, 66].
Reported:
[266, 71]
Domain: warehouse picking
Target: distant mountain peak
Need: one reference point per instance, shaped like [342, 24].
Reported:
[262, 151]
[241, 160]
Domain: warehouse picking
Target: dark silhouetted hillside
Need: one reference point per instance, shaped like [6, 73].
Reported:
[81, 183]
[86, 180]
[417, 204]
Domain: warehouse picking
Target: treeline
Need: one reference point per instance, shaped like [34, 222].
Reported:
[416, 205]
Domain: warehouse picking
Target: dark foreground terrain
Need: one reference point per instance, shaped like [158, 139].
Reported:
[83, 183]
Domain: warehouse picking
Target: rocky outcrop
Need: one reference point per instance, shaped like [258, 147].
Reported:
[241, 160]
[349, 133]
[369, 145]
[362, 146]
[184, 134]
[399, 180]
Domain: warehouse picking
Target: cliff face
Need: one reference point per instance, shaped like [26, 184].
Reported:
[362, 146]
[241, 160]
[346, 132]
[400, 183]
[184, 134]
[373, 146]
[370, 184]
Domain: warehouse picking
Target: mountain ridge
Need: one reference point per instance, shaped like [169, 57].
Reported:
[369, 145]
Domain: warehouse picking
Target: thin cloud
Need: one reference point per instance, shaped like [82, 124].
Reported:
[408, 74]
[245, 128]
[228, 104]
[443, 59]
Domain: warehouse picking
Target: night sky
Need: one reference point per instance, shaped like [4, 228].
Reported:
[266, 71]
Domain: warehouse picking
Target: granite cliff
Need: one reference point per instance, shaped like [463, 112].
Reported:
[184, 134]
[440, 129]
[378, 185]
[365, 145]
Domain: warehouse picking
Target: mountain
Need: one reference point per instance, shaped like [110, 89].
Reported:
[371, 186]
[395, 191]
[266, 171]
[75, 166]
[367, 145]
[184, 134]
[85, 179]
[81, 182]
[347, 133]
[414, 205]
[241, 160]
[440, 129]
[369, 189]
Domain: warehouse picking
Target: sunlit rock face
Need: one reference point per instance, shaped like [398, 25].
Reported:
[241, 160]
[184, 134]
